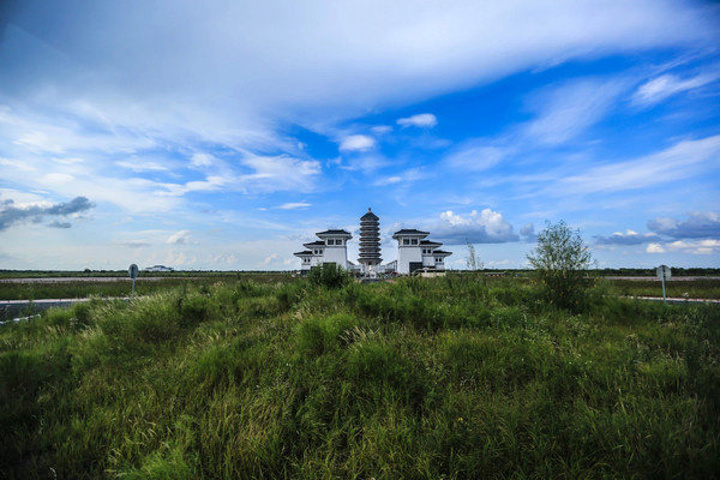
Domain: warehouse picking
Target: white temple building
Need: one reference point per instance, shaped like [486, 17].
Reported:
[331, 248]
[414, 251]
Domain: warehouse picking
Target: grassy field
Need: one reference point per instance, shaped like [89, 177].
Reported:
[122, 287]
[422, 378]
[701, 288]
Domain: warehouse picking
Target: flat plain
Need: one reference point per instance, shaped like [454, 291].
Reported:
[455, 377]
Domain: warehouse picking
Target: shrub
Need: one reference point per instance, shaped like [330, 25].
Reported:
[561, 261]
[329, 276]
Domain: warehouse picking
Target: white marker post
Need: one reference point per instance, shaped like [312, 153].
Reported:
[664, 272]
[133, 271]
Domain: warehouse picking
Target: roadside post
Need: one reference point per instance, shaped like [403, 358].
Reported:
[133, 271]
[663, 271]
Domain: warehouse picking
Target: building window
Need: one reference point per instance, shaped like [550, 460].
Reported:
[331, 241]
[406, 241]
[438, 260]
[414, 241]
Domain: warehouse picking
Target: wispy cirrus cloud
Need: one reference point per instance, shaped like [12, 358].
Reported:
[566, 111]
[677, 162]
[665, 86]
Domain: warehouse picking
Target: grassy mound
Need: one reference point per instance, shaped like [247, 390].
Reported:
[423, 378]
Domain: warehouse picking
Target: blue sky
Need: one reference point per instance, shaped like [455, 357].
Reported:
[222, 135]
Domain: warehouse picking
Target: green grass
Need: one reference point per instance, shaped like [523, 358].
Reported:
[422, 378]
[121, 287]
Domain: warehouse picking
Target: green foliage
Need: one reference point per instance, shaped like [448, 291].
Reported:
[451, 377]
[561, 261]
[329, 275]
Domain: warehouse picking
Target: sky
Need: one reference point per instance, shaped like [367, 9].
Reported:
[224, 134]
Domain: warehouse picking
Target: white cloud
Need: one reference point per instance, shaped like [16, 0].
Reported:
[658, 89]
[294, 206]
[486, 226]
[696, 247]
[357, 143]
[179, 238]
[655, 248]
[423, 120]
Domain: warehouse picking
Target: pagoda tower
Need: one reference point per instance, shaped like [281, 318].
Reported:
[369, 240]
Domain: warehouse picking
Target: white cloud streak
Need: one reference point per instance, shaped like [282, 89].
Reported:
[665, 86]
[421, 120]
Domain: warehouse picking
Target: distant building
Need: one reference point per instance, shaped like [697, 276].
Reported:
[330, 249]
[415, 253]
[369, 242]
[159, 268]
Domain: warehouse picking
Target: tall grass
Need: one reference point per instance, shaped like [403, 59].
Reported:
[423, 378]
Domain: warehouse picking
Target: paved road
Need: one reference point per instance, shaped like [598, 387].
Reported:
[677, 300]
[10, 309]
[656, 279]
[88, 279]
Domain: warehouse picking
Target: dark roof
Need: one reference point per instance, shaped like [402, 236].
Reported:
[334, 232]
[442, 252]
[429, 242]
[410, 231]
[369, 216]
[304, 252]
[316, 243]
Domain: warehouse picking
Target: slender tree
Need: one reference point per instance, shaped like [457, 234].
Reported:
[561, 261]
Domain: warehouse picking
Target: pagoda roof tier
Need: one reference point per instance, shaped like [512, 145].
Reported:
[442, 253]
[369, 216]
[370, 262]
[410, 232]
[430, 242]
[306, 253]
[334, 233]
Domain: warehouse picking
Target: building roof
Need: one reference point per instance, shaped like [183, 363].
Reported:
[369, 216]
[316, 243]
[441, 252]
[429, 242]
[303, 253]
[409, 231]
[334, 232]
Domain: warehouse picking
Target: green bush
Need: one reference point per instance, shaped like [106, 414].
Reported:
[329, 275]
[561, 262]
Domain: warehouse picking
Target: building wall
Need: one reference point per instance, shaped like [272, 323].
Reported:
[428, 260]
[407, 254]
[336, 255]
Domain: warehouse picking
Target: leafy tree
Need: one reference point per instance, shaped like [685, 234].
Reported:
[561, 261]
